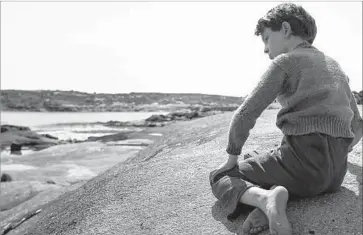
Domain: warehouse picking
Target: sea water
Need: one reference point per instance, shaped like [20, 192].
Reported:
[67, 125]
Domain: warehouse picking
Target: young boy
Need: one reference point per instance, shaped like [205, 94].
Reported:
[319, 119]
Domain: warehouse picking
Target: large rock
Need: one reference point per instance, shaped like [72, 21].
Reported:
[23, 136]
[11, 220]
[16, 192]
[15, 149]
[6, 128]
[6, 177]
[107, 138]
[49, 136]
[165, 190]
[158, 118]
[188, 115]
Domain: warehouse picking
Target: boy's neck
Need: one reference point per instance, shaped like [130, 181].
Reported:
[296, 42]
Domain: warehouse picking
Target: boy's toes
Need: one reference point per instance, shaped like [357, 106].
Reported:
[256, 230]
[255, 222]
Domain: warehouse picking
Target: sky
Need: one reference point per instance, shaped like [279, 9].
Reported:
[169, 47]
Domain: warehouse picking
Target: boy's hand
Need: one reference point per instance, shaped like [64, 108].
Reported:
[356, 139]
[228, 165]
[358, 133]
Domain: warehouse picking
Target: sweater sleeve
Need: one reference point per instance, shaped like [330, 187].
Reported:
[357, 122]
[246, 115]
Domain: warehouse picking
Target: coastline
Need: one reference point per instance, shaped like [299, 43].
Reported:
[42, 176]
[66, 167]
[38, 177]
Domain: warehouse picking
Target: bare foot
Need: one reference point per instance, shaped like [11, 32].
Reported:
[275, 211]
[256, 222]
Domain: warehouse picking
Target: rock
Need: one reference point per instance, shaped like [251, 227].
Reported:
[6, 128]
[192, 115]
[157, 118]
[167, 185]
[6, 177]
[15, 149]
[28, 211]
[154, 124]
[61, 181]
[16, 192]
[70, 141]
[172, 117]
[50, 136]
[204, 109]
[107, 138]
[50, 182]
[116, 124]
[184, 115]
[24, 137]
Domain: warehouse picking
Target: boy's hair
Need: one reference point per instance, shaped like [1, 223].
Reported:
[301, 22]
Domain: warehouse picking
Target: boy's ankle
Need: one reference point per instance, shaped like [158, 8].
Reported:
[263, 196]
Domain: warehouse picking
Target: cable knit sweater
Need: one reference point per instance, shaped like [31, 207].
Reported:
[314, 94]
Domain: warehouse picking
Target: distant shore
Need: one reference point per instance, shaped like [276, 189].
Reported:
[74, 101]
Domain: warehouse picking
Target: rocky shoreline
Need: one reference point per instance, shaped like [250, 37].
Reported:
[164, 189]
[57, 166]
[17, 137]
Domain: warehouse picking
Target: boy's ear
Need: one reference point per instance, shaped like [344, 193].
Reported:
[286, 29]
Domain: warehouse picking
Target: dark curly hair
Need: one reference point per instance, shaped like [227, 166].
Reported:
[301, 22]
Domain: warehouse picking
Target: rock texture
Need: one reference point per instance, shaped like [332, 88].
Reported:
[165, 190]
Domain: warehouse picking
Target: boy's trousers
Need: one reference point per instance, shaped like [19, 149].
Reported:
[305, 165]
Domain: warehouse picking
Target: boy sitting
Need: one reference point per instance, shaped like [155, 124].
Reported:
[319, 119]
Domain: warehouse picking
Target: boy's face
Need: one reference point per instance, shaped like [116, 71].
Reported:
[274, 42]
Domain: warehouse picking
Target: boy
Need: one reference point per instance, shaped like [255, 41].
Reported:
[319, 119]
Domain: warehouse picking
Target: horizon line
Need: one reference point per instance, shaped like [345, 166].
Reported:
[132, 92]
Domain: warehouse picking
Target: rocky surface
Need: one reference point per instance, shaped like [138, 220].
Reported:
[164, 189]
[32, 180]
[16, 192]
[23, 136]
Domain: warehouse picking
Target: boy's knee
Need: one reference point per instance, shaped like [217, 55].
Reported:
[227, 186]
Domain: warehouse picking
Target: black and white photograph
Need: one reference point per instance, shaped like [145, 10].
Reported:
[181, 117]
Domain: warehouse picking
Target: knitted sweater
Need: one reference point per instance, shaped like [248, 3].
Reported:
[314, 95]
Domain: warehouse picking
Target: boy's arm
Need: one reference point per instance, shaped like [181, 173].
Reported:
[246, 115]
[357, 124]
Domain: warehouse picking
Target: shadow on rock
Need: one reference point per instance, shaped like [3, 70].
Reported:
[357, 171]
[234, 226]
[317, 215]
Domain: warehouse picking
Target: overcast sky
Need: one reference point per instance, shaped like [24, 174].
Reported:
[187, 47]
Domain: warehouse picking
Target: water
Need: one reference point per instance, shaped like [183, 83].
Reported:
[35, 119]
[72, 125]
